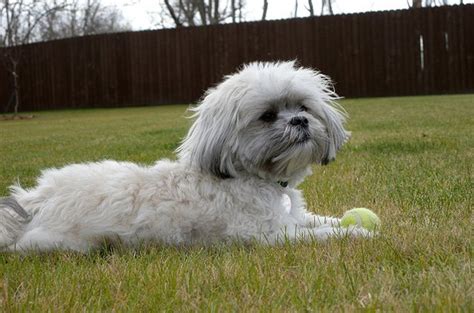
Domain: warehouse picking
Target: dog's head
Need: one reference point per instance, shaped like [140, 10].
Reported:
[272, 120]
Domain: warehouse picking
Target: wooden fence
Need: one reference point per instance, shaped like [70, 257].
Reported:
[395, 53]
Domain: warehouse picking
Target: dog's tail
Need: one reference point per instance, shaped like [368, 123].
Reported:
[13, 219]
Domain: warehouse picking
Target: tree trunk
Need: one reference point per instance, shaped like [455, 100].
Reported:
[416, 4]
[310, 8]
[16, 87]
[232, 8]
[202, 11]
[265, 9]
[173, 14]
[216, 12]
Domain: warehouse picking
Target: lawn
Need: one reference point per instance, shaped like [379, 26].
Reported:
[409, 159]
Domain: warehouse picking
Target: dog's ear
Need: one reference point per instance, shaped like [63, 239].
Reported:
[206, 144]
[331, 114]
[334, 121]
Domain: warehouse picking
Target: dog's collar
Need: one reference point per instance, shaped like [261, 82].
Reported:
[284, 184]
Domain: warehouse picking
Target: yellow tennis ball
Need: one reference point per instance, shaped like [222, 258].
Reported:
[361, 217]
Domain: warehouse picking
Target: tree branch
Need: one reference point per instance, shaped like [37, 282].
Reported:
[310, 8]
[173, 14]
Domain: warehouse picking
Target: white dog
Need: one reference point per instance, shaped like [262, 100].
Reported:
[254, 138]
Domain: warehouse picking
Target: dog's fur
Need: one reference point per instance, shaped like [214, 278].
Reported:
[258, 131]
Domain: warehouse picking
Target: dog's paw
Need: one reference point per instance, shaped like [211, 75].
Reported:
[354, 232]
[312, 220]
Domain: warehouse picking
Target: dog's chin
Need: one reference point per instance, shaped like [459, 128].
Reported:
[290, 163]
[303, 140]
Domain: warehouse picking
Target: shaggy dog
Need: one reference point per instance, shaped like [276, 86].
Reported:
[254, 139]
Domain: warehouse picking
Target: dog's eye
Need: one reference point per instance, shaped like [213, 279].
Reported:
[304, 108]
[269, 116]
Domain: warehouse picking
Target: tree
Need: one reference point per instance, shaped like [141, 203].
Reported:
[201, 12]
[25, 21]
[80, 18]
[427, 3]
[326, 4]
[310, 8]
[430, 3]
[265, 9]
[19, 20]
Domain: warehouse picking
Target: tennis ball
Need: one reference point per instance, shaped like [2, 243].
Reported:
[361, 217]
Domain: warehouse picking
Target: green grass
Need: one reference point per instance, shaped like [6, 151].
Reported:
[410, 159]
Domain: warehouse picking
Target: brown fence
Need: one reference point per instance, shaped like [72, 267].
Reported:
[408, 52]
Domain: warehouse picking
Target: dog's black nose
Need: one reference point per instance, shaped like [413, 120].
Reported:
[299, 120]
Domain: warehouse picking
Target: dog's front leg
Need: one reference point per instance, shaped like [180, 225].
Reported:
[314, 220]
[297, 233]
[297, 209]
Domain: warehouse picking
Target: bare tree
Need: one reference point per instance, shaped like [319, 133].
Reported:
[25, 21]
[239, 9]
[236, 10]
[427, 3]
[326, 5]
[430, 3]
[19, 19]
[201, 12]
[295, 14]
[81, 18]
[232, 10]
[416, 4]
[310, 8]
[265, 9]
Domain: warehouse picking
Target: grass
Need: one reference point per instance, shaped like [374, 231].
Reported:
[410, 159]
